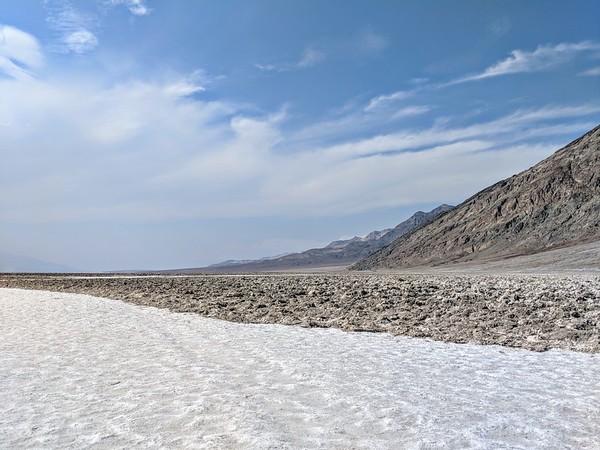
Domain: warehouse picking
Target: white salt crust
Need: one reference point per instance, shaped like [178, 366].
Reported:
[85, 372]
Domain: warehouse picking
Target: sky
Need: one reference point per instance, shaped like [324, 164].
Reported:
[147, 134]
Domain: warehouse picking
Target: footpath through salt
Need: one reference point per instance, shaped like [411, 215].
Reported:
[85, 372]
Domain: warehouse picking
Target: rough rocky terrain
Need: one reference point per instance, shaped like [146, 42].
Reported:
[535, 312]
[337, 253]
[552, 205]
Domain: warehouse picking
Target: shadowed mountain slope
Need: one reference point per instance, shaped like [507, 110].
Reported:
[554, 204]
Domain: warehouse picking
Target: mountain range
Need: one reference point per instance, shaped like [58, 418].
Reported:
[554, 204]
[336, 254]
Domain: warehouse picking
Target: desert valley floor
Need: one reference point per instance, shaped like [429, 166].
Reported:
[81, 371]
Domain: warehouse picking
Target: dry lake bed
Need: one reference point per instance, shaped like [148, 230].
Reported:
[81, 371]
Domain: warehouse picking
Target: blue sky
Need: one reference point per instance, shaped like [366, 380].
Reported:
[160, 134]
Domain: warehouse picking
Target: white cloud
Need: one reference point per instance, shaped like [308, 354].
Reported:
[504, 127]
[409, 111]
[151, 151]
[80, 41]
[136, 7]
[192, 84]
[19, 52]
[136, 151]
[419, 80]
[542, 58]
[385, 100]
[78, 31]
[500, 27]
[552, 112]
[370, 43]
[592, 72]
[182, 88]
[356, 119]
[269, 67]
[366, 44]
[75, 29]
[310, 57]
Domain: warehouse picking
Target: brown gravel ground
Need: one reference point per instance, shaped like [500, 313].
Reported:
[534, 312]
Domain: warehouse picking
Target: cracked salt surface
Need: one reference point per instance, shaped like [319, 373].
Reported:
[79, 371]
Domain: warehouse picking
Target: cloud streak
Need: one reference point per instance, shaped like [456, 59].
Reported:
[592, 72]
[370, 43]
[542, 58]
[499, 27]
[136, 7]
[385, 100]
[310, 58]
[76, 30]
[20, 53]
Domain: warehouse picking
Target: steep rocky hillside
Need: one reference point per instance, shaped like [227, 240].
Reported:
[554, 204]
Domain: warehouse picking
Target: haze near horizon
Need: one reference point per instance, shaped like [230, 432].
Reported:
[155, 135]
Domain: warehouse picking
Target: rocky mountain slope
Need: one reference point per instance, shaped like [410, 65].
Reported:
[554, 204]
[337, 253]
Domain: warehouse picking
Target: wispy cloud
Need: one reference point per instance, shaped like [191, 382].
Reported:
[153, 153]
[500, 27]
[351, 122]
[542, 58]
[76, 30]
[504, 127]
[419, 80]
[136, 7]
[271, 67]
[193, 83]
[385, 100]
[366, 43]
[148, 150]
[80, 41]
[310, 57]
[411, 111]
[592, 72]
[370, 43]
[19, 53]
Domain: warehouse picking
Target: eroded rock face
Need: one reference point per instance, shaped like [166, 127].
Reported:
[535, 312]
[554, 204]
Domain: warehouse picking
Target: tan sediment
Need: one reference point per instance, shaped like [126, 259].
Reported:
[534, 312]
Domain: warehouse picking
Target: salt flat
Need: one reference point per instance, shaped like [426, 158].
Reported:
[79, 371]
